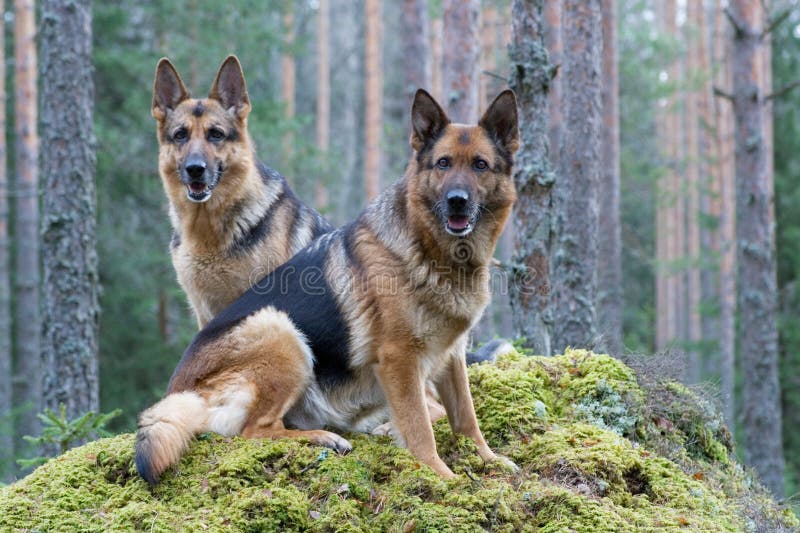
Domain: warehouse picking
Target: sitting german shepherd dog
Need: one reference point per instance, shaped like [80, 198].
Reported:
[231, 215]
[359, 320]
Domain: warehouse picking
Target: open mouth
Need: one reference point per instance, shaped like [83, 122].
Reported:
[198, 191]
[458, 225]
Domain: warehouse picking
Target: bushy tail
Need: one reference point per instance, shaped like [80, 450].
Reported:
[489, 351]
[165, 431]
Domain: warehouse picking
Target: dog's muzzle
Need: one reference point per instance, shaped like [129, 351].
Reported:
[459, 219]
[199, 180]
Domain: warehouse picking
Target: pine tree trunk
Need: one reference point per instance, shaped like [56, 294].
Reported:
[574, 264]
[437, 34]
[6, 392]
[609, 275]
[710, 207]
[755, 257]
[725, 175]
[555, 49]
[693, 155]
[416, 51]
[289, 84]
[323, 96]
[373, 88]
[531, 74]
[26, 312]
[69, 209]
[460, 59]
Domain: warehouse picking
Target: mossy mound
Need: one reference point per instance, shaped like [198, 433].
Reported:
[597, 451]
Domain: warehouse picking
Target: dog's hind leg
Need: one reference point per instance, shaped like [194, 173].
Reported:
[280, 366]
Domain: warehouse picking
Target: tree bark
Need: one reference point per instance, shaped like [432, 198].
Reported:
[693, 161]
[6, 389]
[69, 209]
[609, 275]
[725, 175]
[323, 96]
[555, 49]
[26, 230]
[416, 51]
[531, 74]
[373, 88]
[755, 257]
[460, 59]
[289, 84]
[574, 264]
[437, 32]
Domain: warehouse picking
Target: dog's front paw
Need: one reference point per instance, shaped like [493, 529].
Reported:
[504, 463]
[386, 430]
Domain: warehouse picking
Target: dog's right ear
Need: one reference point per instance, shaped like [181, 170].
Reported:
[168, 89]
[230, 89]
[427, 120]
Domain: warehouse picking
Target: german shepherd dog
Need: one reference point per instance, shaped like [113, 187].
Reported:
[232, 216]
[356, 323]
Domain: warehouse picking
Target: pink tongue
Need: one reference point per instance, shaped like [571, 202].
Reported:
[458, 222]
[196, 186]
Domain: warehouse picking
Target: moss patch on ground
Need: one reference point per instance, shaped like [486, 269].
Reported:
[597, 451]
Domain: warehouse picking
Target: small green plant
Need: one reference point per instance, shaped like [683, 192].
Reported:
[64, 433]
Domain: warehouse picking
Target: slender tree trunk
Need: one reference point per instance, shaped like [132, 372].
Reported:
[693, 161]
[289, 84]
[609, 275]
[437, 34]
[26, 312]
[669, 222]
[574, 265]
[710, 207]
[725, 175]
[323, 95]
[555, 49]
[460, 59]
[755, 258]
[416, 51]
[373, 97]
[6, 390]
[531, 74]
[68, 225]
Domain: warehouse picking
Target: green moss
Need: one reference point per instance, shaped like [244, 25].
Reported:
[597, 452]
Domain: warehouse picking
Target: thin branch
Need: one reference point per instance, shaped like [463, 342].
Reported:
[734, 20]
[783, 91]
[492, 74]
[775, 22]
[722, 94]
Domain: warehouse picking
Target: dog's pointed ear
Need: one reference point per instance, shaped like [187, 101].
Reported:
[427, 119]
[500, 120]
[168, 89]
[230, 89]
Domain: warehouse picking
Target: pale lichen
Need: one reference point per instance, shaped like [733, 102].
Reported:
[596, 453]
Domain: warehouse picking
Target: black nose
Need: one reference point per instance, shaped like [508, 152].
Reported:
[457, 199]
[195, 168]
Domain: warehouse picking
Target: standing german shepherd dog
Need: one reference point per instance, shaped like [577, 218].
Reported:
[231, 215]
[359, 320]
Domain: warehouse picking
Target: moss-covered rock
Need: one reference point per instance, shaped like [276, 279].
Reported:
[597, 451]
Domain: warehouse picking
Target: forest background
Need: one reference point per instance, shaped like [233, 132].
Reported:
[331, 82]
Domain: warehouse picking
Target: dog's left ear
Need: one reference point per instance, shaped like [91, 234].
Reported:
[500, 120]
[230, 89]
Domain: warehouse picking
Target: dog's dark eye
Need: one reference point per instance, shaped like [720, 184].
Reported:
[180, 135]
[480, 164]
[443, 163]
[216, 134]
